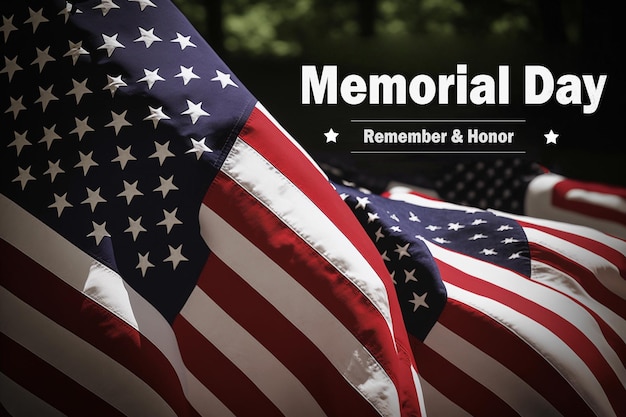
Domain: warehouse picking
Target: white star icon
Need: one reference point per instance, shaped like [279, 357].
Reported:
[331, 136]
[135, 227]
[86, 162]
[53, 170]
[199, 147]
[147, 37]
[151, 77]
[105, 6]
[166, 186]
[42, 58]
[130, 191]
[60, 203]
[144, 263]
[419, 301]
[224, 79]
[551, 137]
[110, 44]
[45, 97]
[194, 110]
[20, 141]
[99, 232]
[16, 106]
[10, 67]
[93, 198]
[183, 41]
[75, 51]
[162, 152]
[186, 74]
[49, 136]
[36, 18]
[123, 156]
[113, 83]
[81, 127]
[79, 90]
[7, 27]
[176, 256]
[144, 3]
[409, 276]
[156, 115]
[169, 219]
[118, 121]
[402, 250]
[23, 176]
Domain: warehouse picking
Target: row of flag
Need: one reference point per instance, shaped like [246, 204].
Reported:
[168, 249]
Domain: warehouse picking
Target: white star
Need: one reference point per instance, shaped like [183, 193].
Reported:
[551, 137]
[113, 83]
[135, 227]
[224, 79]
[409, 276]
[395, 229]
[516, 255]
[393, 277]
[478, 222]
[504, 227]
[16, 106]
[93, 198]
[45, 97]
[166, 186]
[7, 27]
[162, 152]
[394, 217]
[81, 127]
[118, 122]
[441, 240]
[331, 136]
[183, 41]
[60, 203]
[67, 10]
[156, 115]
[194, 111]
[413, 217]
[169, 220]
[42, 58]
[49, 136]
[123, 156]
[385, 257]
[372, 217]
[19, 141]
[151, 77]
[509, 240]
[99, 232]
[432, 228]
[402, 251]
[362, 202]
[144, 3]
[147, 37]
[23, 176]
[379, 234]
[10, 67]
[105, 6]
[419, 301]
[144, 264]
[186, 74]
[110, 44]
[79, 90]
[86, 162]
[478, 236]
[75, 51]
[176, 256]
[455, 226]
[130, 191]
[198, 147]
[488, 252]
[53, 170]
[36, 18]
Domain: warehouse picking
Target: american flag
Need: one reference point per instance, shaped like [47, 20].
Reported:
[168, 249]
[535, 320]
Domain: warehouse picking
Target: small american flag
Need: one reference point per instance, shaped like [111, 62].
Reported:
[167, 249]
[535, 319]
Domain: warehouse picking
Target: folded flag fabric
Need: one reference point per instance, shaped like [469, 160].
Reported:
[166, 248]
[535, 318]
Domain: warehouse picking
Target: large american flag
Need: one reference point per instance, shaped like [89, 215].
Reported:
[167, 249]
[535, 320]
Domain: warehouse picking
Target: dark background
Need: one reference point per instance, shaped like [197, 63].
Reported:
[265, 43]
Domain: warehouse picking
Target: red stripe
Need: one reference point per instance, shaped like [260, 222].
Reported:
[215, 371]
[46, 382]
[612, 255]
[310, 270]
[562, 328]
[587, 280]
[559, 199]
[456, 385]
[286, 342]
[504, 346]
[93, 323]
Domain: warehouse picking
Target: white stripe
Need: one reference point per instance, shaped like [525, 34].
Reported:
[559, 281]
[550, 347]
[609, 201]
[606, 273]
[264, 370]
[489, 372]
[418, 389]
[245, 166]
[558, 303]
[437, 404]
[78, 359]
[343, 350]
[104, 287]
[400, 193]
[20, 402]
[538, 203]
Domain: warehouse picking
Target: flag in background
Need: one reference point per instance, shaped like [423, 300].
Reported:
[535, 321]
[167, 249]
